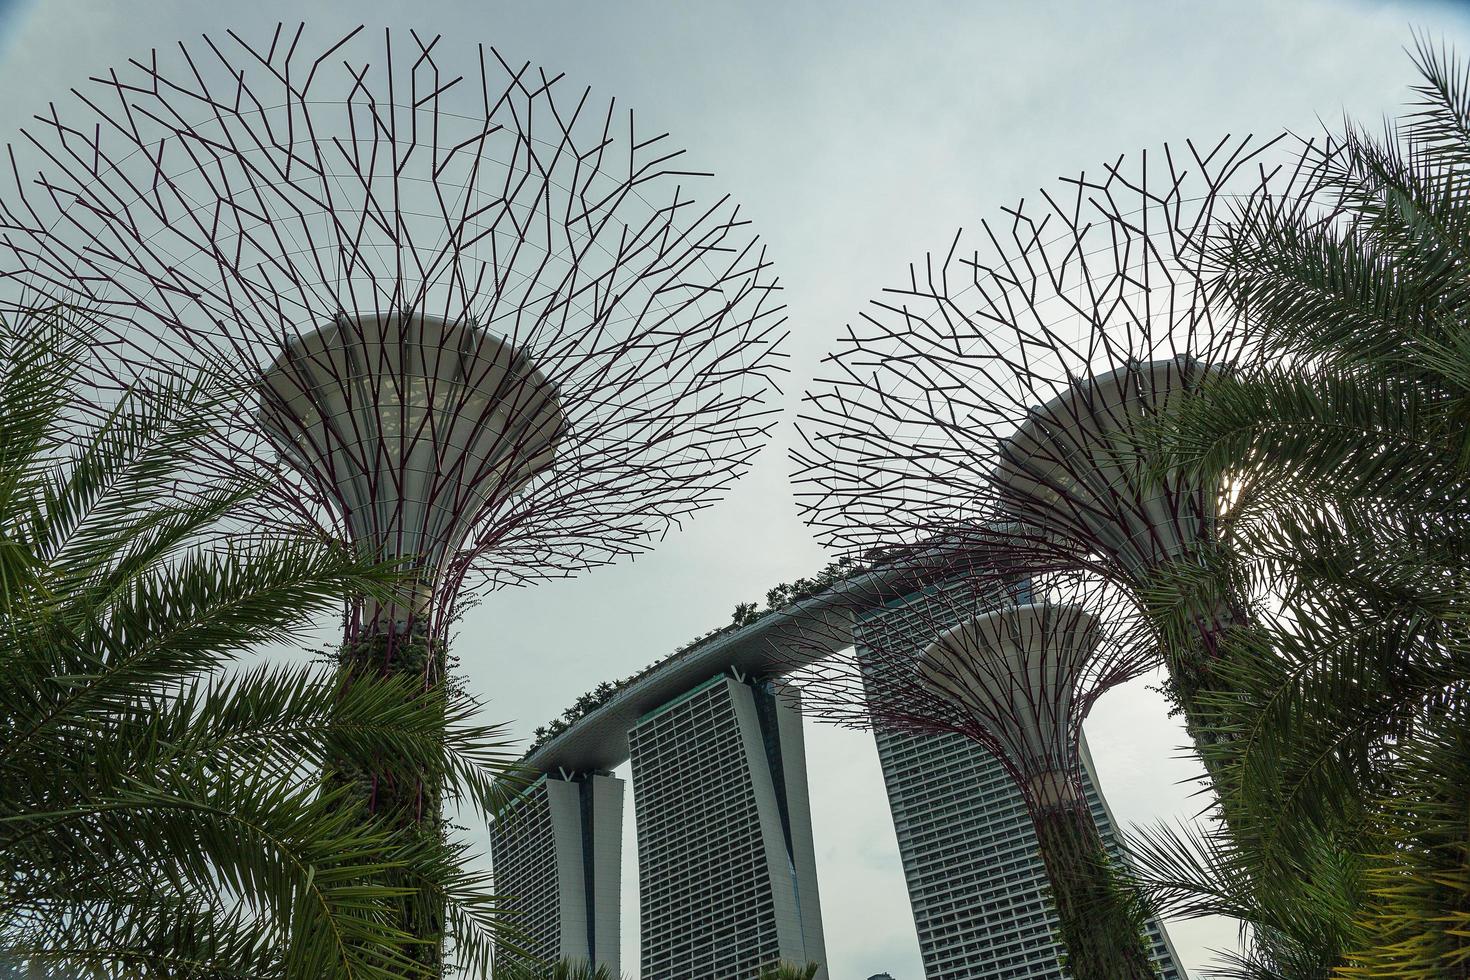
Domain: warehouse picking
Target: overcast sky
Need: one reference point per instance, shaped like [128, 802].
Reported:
[857, 135]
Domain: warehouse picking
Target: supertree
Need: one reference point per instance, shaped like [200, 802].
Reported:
[1015, 670]
[1001, 399]
[470, 322]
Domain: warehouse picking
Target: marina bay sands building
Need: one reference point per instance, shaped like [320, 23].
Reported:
[727, 870]
[726, 866]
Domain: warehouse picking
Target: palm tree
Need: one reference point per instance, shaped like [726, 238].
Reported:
[162, 815]
[1347, 444]
[788, 971]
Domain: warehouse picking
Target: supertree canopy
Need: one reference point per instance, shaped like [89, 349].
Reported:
[462, 314]
[1017, 672]
[1070, 473]
[498, 327]
[1000, 400]
[468, 419]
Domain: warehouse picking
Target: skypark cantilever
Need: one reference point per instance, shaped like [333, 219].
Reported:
[599, 739]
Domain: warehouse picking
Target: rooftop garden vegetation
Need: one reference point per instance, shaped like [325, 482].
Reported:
[778, 597]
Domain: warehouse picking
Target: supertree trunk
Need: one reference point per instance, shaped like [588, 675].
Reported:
[1196, 632]
[1100, 926]
[411, 807]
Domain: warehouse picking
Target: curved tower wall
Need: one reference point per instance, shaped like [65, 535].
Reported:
[727, 869]
[557, 853]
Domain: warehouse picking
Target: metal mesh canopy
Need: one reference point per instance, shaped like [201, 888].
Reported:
[1072, 470]
[1015, 669]
[497, 324]
[994, 399]
[452, 413]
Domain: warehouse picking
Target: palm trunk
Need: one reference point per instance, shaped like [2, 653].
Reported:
[1100, 925]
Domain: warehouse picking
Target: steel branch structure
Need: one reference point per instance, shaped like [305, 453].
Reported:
[498, 327]
[925, 393]
[1016, 671]
[467, 317]
[1000, 399]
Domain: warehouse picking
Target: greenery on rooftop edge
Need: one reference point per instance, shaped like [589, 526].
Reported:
[745, 613]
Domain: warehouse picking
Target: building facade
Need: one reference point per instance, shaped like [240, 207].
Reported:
[726, 865]
[976, 883]
[557, 853]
